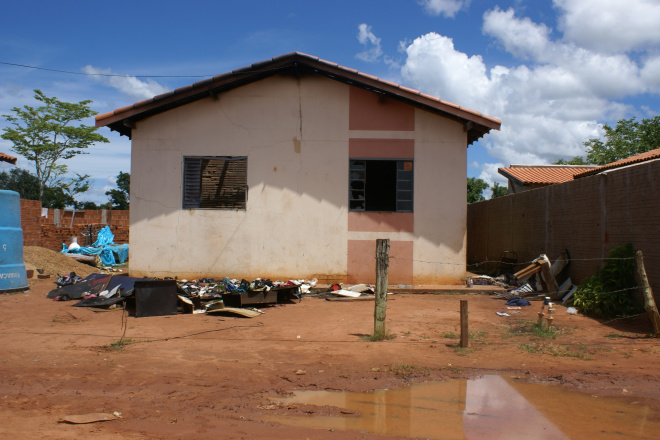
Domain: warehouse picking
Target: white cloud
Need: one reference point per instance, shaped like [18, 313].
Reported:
[371, 43]
[550, 101]
[568, 67]
[446, 8]
[521, 37]
[610, 25]
[129, 85]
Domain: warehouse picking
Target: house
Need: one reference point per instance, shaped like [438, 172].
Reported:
[525, 177]
[7, 158]
[293, 167]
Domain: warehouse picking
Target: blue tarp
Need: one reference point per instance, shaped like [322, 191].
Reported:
[104, 248]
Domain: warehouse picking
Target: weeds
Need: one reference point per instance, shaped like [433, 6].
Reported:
[387, 335]
[119, 345]
[534, 330]
[67, 318]
[608, 293]
[406, 370]
[477, 335]
[463, 351]
[580, 351]
[452, 369]
[450, 335]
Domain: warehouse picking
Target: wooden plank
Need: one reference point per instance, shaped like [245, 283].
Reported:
[649, 302]
[382, 265]
[465, 340]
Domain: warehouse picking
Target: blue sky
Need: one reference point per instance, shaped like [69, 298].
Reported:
[552, 71]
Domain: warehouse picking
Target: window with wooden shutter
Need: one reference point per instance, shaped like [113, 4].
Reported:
[214, 182]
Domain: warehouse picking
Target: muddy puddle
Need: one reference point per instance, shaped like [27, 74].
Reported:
[490, 407]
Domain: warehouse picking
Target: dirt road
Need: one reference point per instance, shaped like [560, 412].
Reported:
[211, 377]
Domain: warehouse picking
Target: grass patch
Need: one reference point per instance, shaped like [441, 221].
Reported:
[473, 336]
[452, 369]
[387, 335]
[66, 318]
[535, 330]
[463, 351]
[406, 370]
[477, 335]
[580, 351]
[120, 344]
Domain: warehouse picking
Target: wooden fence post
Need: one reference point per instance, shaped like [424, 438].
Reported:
[649, 302]
[464, 324]
[382, 265]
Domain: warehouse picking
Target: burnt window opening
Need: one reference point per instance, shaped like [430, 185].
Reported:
[215, 182]
[380, 185]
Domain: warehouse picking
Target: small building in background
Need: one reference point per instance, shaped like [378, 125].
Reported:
[525, 177]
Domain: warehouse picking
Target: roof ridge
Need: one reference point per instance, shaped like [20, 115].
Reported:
[204, 88]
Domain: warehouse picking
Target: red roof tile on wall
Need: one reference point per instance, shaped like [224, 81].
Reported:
[543, 174]
[649, 155]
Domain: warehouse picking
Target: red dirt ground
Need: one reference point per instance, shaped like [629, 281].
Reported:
[211, 377]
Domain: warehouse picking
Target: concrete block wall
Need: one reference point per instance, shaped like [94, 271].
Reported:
[56, 228]
[587, 216]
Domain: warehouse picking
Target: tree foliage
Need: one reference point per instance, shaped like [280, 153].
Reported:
[119, 198]
[626, 139]
[21, 181]
[577, 160]
[27, 185]
[475, 189]
[608, 293]
[47, 135]
[498, 190]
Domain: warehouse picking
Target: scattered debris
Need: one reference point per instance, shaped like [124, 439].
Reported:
[155, 297]
[104, 252]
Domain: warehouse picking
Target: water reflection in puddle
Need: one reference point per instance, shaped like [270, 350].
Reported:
[490, 408]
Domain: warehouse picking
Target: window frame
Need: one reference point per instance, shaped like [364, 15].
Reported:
[404, 187]
[192, 184]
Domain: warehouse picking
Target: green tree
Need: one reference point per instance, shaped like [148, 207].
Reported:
[47, 135]
[577, 160]
[626, 139]
[21, 181]
[56, 198]
[119, 198]
[498, 191]
[475, 189]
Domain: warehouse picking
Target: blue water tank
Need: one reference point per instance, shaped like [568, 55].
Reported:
[12, 268]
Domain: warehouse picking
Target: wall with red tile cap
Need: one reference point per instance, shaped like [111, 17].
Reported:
[588, 216]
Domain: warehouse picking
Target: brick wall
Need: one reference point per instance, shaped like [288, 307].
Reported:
[588, 216]
[57, 228]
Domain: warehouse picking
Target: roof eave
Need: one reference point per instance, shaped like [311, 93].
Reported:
[122, 120]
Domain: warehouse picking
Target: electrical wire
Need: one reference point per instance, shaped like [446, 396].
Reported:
[104, 74]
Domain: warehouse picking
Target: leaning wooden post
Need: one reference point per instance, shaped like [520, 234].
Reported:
[382, 265]
[649, 302]
[464, 324]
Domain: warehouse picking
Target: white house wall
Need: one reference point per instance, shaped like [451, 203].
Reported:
[295, 134]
